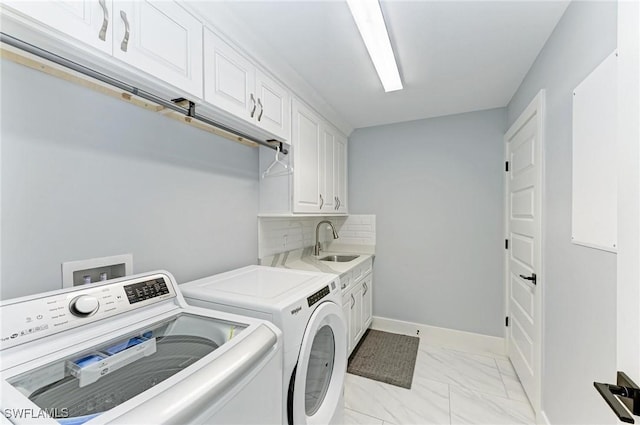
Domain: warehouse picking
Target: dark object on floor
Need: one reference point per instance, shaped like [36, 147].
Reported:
[385, 357]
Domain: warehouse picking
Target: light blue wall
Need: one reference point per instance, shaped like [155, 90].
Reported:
[579, 288]
[85, 175]
[435, 187]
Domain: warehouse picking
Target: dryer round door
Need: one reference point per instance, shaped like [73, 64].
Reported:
[317, 382]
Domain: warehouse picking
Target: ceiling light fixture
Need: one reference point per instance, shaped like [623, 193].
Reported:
[368, 17]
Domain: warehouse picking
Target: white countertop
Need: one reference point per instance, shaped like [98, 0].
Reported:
[304, 259]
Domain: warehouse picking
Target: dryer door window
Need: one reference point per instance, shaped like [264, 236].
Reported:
[322, 364]
[323, 352]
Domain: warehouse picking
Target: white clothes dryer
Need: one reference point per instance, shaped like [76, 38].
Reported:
[132, 351]
[306, 306]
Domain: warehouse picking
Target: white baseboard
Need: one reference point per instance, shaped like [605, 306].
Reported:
[466, 341]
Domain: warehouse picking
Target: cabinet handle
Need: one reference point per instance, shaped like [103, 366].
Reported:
[335, 199]
[253, 110]
[321, 201]
[125, 40]
[261, 109]
[339, 203]
[353, 302]
[366, 288]
[105, 20]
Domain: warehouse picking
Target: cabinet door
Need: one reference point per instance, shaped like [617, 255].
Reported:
[355, 324]
[340, 173]
[327, 170]
[273, 113]
[305, 141]
[162, 39]
[367, 301]
[89, 21]
[229, 78]
[346, 311]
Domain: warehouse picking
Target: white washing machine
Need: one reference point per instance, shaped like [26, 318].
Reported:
[307, 307]
[131, 351]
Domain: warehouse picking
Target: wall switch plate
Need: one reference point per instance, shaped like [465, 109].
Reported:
[74, 273]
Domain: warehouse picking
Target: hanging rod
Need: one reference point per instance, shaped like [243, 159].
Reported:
[169, 104]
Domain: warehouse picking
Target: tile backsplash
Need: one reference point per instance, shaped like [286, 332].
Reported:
[280, 234]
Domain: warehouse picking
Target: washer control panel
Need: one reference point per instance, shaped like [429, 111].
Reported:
[317, 296]
[41, 315]
[141, 291]
[84, 305]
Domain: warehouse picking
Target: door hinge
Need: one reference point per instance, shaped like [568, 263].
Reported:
[506, 244]
[506, 166]
[506, 321]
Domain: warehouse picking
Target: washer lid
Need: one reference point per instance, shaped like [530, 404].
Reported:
[101, 377]
[254, 282]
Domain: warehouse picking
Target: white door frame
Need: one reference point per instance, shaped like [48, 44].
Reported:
[536, 107]
[628, 271]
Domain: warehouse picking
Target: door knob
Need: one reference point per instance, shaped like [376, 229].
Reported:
[532, 278]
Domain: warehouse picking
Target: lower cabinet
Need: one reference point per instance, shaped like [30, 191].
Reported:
[357, 308]
[355, 316]
[367, 301]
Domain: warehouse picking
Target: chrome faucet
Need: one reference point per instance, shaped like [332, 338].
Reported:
[316, 249]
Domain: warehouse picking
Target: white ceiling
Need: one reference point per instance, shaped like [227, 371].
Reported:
[454, 56]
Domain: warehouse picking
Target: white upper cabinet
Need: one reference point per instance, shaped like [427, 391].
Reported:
[306, 146]
[89, 21]
[319, 164]
[334, 170]
[157, 37]
[340, 173]
[273, 113]
[233, 83]
[229, 78]
[327, 155]
[162, 39]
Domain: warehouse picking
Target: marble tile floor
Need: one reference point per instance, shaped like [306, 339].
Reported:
[449, 386]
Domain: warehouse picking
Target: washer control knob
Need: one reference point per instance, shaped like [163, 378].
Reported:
[84, 305]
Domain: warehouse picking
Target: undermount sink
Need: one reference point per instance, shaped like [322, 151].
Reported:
[339, 258]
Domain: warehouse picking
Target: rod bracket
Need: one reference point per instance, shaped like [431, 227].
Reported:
[282, 146]
[191, 106]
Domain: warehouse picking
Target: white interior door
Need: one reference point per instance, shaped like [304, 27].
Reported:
[628, 285]
[628, 214]
[523, 148]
